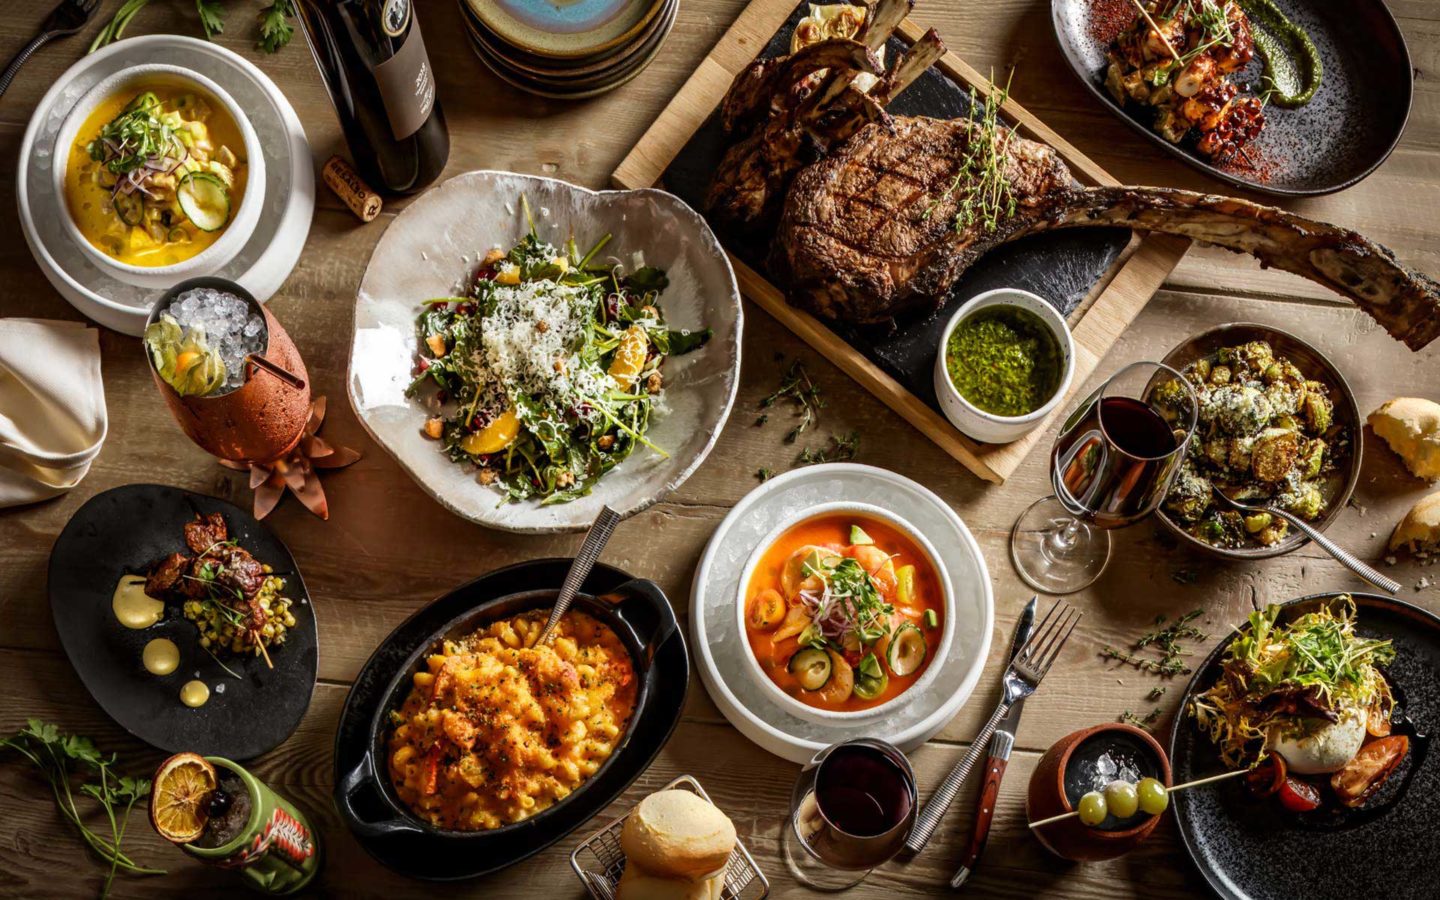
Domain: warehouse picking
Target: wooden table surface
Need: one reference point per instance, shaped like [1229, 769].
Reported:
[388, 549]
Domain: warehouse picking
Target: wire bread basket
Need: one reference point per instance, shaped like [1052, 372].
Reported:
[598, 861]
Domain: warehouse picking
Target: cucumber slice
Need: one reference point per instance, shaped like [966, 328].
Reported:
[811, 667]
[130, 208]
[906, 651]
[205, 200]
[870, 679]
[931, 620]
[145, 100]
[858, 536]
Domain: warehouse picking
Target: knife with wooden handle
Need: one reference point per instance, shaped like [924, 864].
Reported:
[1001, 743]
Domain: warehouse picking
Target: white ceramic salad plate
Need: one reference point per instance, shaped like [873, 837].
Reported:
[722, 653]
[274, 247]
[431, 249]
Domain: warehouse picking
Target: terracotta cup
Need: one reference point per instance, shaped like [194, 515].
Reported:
[258, 422]
[1071, 839]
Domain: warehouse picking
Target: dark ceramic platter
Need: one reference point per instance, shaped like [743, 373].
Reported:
[1339, 137]
[1253, 850]
[646, 623]
[1060, 266]
[122, 531]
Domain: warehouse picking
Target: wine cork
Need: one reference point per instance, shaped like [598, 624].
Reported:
[348, 186]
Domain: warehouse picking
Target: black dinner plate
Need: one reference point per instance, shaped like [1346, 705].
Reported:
[646, 623]
[122, 531]
[1342, 135]
[1250, 849]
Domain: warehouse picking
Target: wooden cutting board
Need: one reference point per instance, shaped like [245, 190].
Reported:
[1100, 279]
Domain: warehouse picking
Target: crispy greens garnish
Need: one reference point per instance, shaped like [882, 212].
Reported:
[1290, 678]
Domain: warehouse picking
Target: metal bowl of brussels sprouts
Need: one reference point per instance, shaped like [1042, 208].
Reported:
[1278, 426]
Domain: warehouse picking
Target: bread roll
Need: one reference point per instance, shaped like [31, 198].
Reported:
[1411, 426]
[636, 884]
[677, 834]
[1420, 529]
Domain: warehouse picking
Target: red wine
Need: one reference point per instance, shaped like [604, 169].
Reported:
[372, 58]
[1114, 460]
[862, 792]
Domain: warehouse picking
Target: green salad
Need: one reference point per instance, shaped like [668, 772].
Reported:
[547, 375]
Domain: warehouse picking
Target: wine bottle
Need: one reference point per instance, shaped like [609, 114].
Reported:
[372, 59]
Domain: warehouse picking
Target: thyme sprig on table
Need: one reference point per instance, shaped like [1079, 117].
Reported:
[59, 757]
[840, 449]
[797, 388]
[1166, 643]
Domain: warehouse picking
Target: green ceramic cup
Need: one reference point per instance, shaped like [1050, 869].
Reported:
[277, 852]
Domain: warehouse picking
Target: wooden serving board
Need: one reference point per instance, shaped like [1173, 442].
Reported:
[1099, 279]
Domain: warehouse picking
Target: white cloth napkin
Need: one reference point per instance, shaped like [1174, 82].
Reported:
[52, 407]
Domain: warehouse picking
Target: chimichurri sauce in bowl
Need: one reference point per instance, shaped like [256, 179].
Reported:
[1004, 360]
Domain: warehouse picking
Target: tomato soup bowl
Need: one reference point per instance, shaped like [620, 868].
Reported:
[243, 217]
[935, 655]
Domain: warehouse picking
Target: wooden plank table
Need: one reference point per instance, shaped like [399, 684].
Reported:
[388, 549]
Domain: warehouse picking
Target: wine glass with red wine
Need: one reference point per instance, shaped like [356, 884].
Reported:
[851, 810]
[1112, 466]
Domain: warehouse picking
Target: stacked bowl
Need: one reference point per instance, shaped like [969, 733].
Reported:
[567, 50]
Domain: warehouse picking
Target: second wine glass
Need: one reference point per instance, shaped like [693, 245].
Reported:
[1112, 465]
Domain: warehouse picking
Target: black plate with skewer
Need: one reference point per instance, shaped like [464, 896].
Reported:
[1342, 135]
[1250, 848]
[122, 531]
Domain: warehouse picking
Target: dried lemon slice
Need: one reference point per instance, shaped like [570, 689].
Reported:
[180, 797]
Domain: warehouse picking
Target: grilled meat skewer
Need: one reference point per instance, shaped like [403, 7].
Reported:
[871, 230]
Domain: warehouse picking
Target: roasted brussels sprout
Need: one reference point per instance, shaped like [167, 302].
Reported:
[1319, 411]
[1305, 500]
[1274, 454]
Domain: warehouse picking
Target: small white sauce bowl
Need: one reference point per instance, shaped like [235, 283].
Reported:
[243, 218]
[971, 419]
[936, 656]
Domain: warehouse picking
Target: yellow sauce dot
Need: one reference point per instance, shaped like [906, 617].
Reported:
[161, 656]
[133, 607]
[194, 694]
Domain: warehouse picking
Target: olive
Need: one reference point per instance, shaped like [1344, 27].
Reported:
[1122, 799]
[1153, 796]
[1093, 809]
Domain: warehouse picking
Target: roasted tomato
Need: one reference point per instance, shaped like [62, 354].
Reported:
[1363, 775]
[1266, 778]
[1298, 796]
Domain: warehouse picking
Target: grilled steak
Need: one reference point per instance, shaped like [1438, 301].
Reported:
[872, 231]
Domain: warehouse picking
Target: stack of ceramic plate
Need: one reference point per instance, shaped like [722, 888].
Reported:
[567, 50]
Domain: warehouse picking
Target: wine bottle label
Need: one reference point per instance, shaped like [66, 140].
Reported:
[407, 84]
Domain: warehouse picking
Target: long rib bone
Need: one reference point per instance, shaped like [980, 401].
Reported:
[1406, 303]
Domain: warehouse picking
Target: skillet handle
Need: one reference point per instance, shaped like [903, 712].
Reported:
[643, 606]
[357, 781]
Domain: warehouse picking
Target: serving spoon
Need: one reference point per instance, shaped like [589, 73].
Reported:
[595, 541]
[1345, 557]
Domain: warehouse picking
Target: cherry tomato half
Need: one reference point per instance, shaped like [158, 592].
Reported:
[1267, 778]
[1298, 796]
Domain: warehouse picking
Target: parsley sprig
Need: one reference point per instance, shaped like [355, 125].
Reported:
[60, 757]
[274, 21]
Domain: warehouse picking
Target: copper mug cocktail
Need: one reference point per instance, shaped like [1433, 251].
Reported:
[254, 407]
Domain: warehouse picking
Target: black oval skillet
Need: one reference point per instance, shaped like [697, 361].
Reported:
[1337, 139]
[635, 609]
[1248, 849]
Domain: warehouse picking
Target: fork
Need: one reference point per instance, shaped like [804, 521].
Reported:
[66, 19]
[1021, 678]
[1345, 557]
